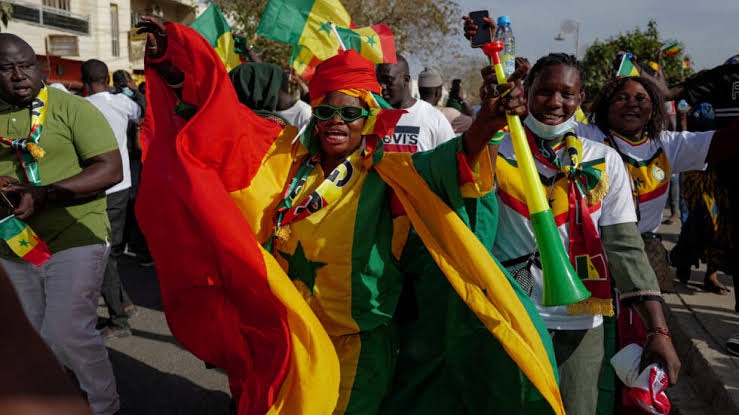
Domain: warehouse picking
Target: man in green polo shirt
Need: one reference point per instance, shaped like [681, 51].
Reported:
[61, 197]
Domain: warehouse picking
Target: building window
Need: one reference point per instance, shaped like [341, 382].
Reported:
[114, 31]
[57, 4]
[51, 16]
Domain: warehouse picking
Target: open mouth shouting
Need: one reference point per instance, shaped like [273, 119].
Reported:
[335, 136]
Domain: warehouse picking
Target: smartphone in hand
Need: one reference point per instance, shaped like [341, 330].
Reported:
[9, 200]
[484, 32]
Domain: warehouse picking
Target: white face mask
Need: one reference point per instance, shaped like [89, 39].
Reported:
[547, 131]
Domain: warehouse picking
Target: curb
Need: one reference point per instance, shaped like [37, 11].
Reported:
[691, 339]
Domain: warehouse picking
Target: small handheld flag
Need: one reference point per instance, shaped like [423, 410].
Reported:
[24, 241]
[627, 67]
[671, 48]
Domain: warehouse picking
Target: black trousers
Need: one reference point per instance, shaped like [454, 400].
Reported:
[112, 290]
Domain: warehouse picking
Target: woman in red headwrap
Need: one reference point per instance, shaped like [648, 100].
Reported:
[335, 211]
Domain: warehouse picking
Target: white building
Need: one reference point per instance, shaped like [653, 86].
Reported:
[65, 33]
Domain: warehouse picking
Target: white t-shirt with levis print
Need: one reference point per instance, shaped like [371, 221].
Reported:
[422, 128]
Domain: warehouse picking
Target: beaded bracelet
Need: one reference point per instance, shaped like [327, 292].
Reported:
[497, 138]
[659, 331]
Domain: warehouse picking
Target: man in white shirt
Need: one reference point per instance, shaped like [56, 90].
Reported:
[118, 110]
[430, 85]
[423, 127]
[295, 111]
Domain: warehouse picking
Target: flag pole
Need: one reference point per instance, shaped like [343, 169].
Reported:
[336, 32]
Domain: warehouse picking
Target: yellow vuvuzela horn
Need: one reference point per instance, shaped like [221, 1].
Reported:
[562, 285]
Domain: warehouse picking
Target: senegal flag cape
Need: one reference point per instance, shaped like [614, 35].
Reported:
[206, 202]
[225, 298]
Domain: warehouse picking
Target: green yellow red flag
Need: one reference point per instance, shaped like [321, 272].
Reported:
[214, 28]
[225, 298]
[627, 67]
[23, 241]
[477, 278]
[375, 43]
[308, 25]
[671, 48]
[303, 61]
[305, 22]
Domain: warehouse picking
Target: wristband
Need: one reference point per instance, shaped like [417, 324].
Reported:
[658, 331]
[51, 193]
[497, 138]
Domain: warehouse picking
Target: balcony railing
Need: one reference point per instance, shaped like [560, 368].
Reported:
[50, 17]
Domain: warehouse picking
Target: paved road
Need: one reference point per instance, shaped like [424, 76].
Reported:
[155, 374]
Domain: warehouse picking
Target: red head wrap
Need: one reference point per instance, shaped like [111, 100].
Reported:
[347, 70]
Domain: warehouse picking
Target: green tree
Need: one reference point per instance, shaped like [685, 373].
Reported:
[6, 10]
[469, 73]
[420, 26]
[600, 56]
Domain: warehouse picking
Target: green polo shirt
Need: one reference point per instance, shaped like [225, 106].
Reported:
[74, 131]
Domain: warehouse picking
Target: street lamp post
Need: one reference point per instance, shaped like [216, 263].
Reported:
[570, 26]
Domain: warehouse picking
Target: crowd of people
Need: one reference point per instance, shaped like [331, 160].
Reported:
[402, 224]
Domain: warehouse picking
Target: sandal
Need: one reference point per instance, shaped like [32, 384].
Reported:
[670, 220]
[715, 287]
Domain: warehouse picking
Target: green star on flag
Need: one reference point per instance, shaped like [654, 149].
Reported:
[325, 27]
[317, 29]
[23, 241]
[301, 268]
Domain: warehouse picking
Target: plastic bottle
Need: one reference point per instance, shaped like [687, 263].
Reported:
[504, 33]
[682, 105]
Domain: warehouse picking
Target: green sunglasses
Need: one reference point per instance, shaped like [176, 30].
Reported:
[326, 112]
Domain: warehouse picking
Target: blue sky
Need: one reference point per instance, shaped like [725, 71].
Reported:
[709, 29]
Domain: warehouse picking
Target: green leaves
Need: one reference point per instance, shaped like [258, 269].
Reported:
[6, 10]
[643, 43]
[421, 27]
